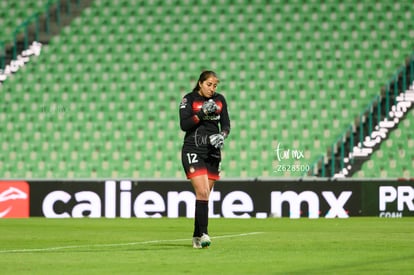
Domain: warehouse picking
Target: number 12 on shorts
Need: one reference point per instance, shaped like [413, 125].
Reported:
[192, 158]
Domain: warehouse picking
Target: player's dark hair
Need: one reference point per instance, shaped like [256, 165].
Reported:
[203, 76]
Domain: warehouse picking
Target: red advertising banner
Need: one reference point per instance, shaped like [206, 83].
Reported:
[14, 199]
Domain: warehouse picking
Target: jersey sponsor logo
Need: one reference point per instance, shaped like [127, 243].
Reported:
[217, 117]
[14, 199]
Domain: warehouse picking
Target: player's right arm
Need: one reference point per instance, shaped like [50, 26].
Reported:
[191, 114]
[188, 117]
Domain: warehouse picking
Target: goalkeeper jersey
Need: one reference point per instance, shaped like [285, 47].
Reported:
[197, 130]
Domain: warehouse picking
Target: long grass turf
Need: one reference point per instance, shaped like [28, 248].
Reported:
[239, 246]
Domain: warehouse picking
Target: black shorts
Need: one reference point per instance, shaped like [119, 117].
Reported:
[196, 164]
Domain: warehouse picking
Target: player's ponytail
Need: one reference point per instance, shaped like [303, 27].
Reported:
[203, 76]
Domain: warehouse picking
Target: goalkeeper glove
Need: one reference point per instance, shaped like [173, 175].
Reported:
[209, 107]
[217, 140]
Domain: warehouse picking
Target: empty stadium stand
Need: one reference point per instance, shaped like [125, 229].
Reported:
[14, 13]
[102, 99]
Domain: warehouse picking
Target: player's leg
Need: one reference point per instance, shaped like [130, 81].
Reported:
[204, 240]
[211, 183]
[213, 171]
[201, 187]
[196, 172]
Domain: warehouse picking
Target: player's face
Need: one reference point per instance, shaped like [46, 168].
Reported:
[208, 87]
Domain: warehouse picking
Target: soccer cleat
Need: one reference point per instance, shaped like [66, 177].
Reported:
[205, 241]
[196, 242]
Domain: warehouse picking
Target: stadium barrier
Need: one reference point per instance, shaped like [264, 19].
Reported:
[237, 198]
[32, 28]
[359, 138]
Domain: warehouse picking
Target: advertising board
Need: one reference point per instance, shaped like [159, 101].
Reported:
[229, 199]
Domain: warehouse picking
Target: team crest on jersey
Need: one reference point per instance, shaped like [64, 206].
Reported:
[183, 103]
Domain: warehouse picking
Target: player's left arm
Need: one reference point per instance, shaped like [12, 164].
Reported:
[224, 119]
[217, 140]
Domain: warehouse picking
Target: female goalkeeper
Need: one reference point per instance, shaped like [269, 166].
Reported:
[206, 123]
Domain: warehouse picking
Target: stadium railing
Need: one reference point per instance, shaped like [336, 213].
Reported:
[29, 31]
[336, 157]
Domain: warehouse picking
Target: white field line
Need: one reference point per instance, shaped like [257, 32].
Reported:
[32, 250]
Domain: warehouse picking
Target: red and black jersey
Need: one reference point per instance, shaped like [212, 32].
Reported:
[198, 129]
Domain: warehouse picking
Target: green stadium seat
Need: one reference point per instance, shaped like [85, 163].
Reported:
[291, 72]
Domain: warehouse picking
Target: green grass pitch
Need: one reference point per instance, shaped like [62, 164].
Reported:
[239, 246]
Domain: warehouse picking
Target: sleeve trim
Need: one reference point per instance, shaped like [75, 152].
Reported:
[196, 119]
